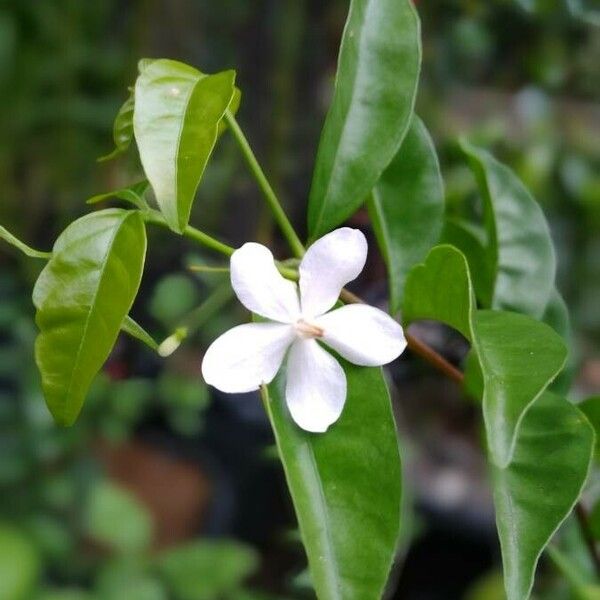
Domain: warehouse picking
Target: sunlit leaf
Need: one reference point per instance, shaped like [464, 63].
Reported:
[82, 297]
[376, 82]
[345, 486]
[177, 114]
[407, 207]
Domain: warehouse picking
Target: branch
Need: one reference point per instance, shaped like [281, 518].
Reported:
[419, 347]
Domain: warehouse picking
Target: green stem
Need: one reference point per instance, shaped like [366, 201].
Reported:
[8, 237]
[270, 196]
[153, 216]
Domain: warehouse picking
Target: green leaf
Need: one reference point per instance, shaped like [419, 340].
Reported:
[537, 491]
[581, 586]
[207, 570]
[7, 236]
[116, 519]
[591, 409]
[19, 564]
[128, 577]
[82, 298]
[122, 129]
[346, 487]
[177, 114]
[136, 331]
[519, 246]
[556, 316]
[463, 236]
[518, 356]
[375, 88]
[407, 207]
[440, 289]
[133, 193]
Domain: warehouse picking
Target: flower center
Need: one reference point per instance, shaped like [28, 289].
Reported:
[308, 330]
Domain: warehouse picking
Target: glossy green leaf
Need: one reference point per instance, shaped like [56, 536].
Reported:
[82, 297]
[376, 83]
[518, 356]
[177, 114]
[8, 237]
[557, 316]
[134, 194]
[207, 570]
[136, 331]
[407, 207]
[519, 245]
[537, 491]
[591, 409]
[346, 487]
[440, 289]
[122, 129]
[463, 236]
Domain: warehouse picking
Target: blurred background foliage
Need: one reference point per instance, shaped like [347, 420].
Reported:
[162, 490]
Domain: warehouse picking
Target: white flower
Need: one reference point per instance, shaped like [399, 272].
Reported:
[249, 355]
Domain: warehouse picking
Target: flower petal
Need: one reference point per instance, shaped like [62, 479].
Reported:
[315, 389]
[246, 356]
[362, 334]
[259, 285]
[328, 265]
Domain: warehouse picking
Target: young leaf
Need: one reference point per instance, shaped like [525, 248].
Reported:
[519, 244]
[407, 207]
[122, 130]
[136, 331]
[536, 492]
[133, 194]
[8, 237]
[518, 356]
[376, 82]
[346, 487]
[82, 297]
[177, 114]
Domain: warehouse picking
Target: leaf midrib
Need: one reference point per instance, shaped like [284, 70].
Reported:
[92, 307]
[332, 574]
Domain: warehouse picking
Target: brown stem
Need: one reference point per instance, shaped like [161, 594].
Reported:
[441, 364]
[417, 346]
[584, 523]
